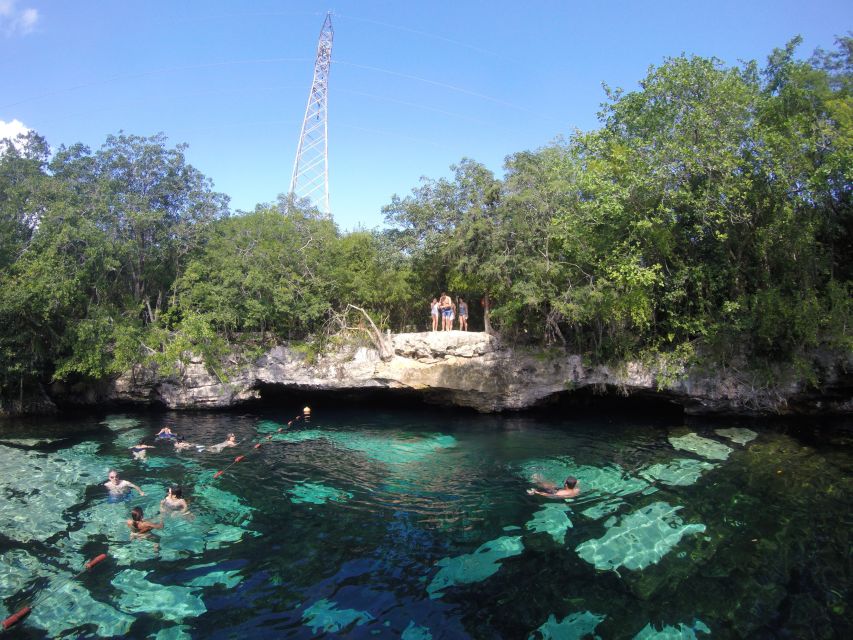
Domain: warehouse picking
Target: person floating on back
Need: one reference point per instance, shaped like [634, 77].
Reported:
[569, 490]
[119, 488]
[165, 433]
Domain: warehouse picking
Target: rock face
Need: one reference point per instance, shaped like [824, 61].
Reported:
[465, 369]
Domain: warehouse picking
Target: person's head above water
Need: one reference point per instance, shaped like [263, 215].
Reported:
[112, 475]
[570, 482]
[176, 492]
[136, 515]
[231, 436]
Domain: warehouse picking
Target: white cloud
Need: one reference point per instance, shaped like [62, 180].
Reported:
[15, 21]
[11, 130]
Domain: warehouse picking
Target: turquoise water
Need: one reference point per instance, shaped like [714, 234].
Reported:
[416, 525]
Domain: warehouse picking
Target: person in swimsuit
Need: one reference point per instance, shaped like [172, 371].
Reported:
[230, 441]
[182, 445]
[174, 501]
[570, 489]
[165, 433]
[138, 450]
[433, 310]
[445, 305]
[119, 488]
[139, 527]
[463, 315]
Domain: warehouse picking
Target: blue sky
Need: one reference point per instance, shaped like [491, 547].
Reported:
[414, 86]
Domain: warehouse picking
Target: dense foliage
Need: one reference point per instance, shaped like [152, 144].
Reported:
[711, 211]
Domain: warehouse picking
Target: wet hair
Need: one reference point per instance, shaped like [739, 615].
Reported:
[231, 435]
[570, 482]
[177, 492]
[136, 516]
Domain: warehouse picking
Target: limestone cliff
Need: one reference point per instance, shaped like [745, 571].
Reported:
[466, 369]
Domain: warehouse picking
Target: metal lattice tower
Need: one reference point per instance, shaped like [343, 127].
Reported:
[311, 168]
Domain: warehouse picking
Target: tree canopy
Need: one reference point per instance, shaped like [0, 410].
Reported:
[710, 212]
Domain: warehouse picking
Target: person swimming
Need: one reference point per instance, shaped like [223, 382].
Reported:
[174, 501]
[138, 450]
[182, 445]
[139, 527]
[119, 488]
[165, 433]
[230, 441]
[569, 490]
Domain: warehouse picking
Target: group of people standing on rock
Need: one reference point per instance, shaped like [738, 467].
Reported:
[444, 308]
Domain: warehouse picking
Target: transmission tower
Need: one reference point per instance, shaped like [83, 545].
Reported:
[311, 167]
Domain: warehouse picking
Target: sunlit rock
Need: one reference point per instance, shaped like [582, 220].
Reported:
[704, 447]
[170, 602]
[641, 538]
[552, 519]
[573, 627]
[681, 632]
[737, 435]
[316, 493]
[416, 632]
[678, 473]
[474, 567]
[324, 615]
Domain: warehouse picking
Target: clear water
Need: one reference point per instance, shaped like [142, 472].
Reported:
[416, 525]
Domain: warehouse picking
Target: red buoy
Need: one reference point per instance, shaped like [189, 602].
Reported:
[258, 446]
[95, 560]
[22, 613]
[238, 458]
[217, 474]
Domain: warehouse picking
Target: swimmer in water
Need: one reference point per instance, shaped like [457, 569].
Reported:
[182, 445]
[139, 527]
[165, 432]
[118, 488]
[230, 441]
[570, 489]
[138, 450]
[174, 501]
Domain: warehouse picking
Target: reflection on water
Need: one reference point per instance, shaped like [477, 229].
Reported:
[407, 525]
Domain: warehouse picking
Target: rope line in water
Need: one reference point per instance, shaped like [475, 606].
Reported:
[24, 611]
[306, 414]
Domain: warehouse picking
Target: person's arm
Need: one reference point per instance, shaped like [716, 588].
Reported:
[141, 492]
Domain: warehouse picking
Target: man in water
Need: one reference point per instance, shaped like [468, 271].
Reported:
[570, 489]
[118, 488]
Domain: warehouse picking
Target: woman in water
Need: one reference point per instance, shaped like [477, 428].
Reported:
[174, 501]
[138, 450]
[230, 441]
[139, 527]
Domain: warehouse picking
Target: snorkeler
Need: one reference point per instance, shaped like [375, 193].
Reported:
[118, 488]
[174, 501]
[569, 490]
[138, 450]
[139, 528]
[230, 441]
